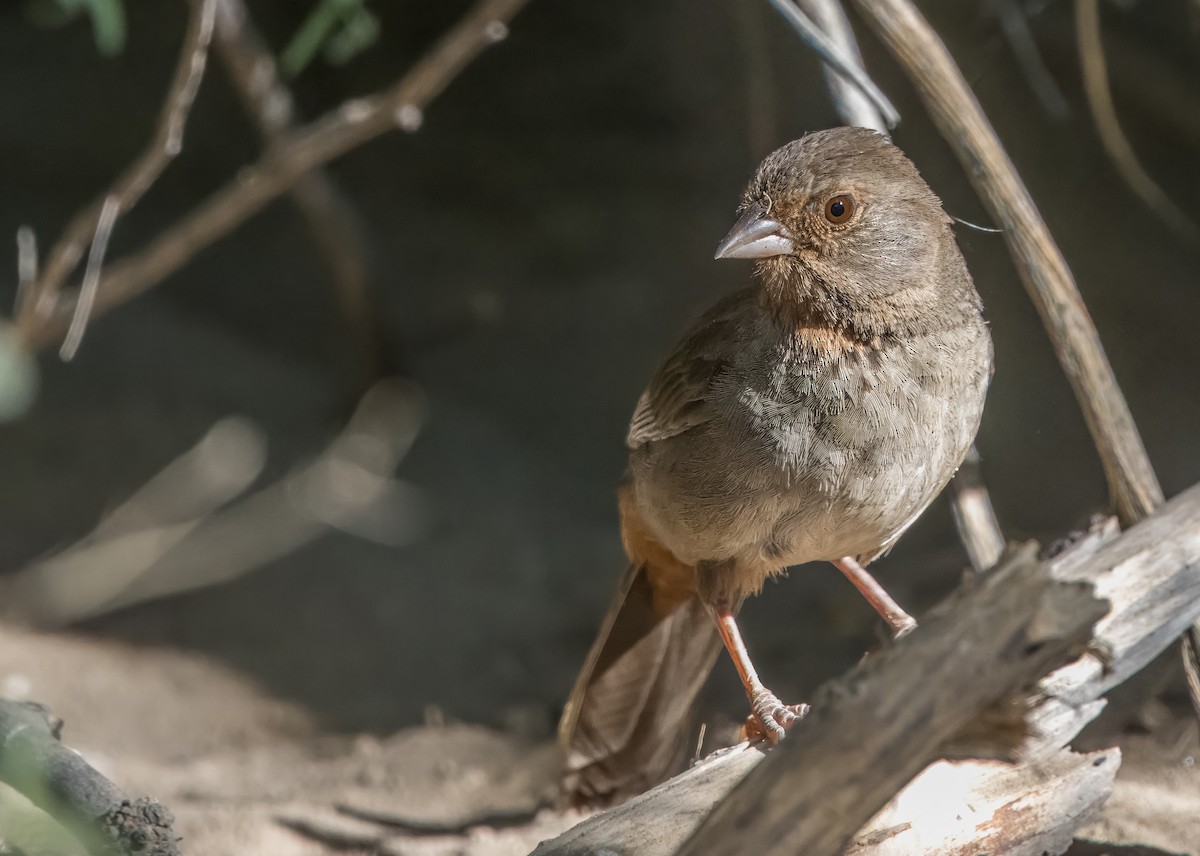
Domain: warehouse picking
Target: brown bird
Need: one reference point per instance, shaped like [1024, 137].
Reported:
[811, 416]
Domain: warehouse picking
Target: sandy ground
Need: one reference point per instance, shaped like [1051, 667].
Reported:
[248, 774]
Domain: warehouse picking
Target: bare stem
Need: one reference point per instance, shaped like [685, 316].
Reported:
[1108, 127]
[42, 297]
[831, 54]
[329, 214]
[851, 102]
[345, 128]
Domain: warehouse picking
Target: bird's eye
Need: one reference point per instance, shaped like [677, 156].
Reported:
[839, 210]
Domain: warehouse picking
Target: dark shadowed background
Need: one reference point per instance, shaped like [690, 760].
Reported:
[534, 249]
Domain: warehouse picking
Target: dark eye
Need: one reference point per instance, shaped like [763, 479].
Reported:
[839, 210]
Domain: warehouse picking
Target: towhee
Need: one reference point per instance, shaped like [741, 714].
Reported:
[813, 415]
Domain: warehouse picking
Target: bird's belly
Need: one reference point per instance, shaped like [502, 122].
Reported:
[777, 480]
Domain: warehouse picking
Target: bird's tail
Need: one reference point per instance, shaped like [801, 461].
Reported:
[625, 727]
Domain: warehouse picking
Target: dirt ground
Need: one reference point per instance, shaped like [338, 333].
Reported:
[587, 166]
[245, 773]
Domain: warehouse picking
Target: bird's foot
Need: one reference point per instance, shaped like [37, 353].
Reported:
[770, 718]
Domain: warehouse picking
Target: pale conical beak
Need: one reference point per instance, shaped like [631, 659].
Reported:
[755, 236]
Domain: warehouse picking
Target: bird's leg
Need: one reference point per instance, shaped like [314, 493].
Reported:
[769, 718]
[900, 621]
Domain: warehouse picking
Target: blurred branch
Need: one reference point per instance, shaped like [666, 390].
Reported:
[60, 783]
[851, 102]
[1015, 27]
[978, 527]
[327, 211]
[345, 128]
[1116, 145]
[172, 535]
[94, 223]
[833, 55]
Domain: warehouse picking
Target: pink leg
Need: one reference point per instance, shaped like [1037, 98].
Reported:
[769, 716]
[900, 621]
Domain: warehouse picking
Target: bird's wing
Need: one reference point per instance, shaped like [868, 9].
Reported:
[679, 396]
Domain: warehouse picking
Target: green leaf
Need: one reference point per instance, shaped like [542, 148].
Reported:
[108, 21]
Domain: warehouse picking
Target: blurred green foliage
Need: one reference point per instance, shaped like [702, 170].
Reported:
[337, 29]
[107, 16]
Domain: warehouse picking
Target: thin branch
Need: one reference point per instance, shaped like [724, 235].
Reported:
[327, 211]
[1135, 489]
[832, 55]
[132, 184]
[1015, 27]
[978, 527]
[91, 278]
[338, 132]
[852, 104]
[27, 262]
[58, 781]
[1108, 126]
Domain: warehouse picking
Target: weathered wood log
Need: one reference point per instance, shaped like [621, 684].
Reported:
[1151, 577]
[873, 731]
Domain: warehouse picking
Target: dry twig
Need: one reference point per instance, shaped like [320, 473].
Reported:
[1020, 40]
[833, 55]
[93, 224]
[1108, 127]
[851, 102]
[297, 153]
[328, 212]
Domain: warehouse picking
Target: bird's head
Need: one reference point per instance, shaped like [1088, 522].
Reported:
[844, 228]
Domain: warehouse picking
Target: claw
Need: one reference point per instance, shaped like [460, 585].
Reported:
[770, 718]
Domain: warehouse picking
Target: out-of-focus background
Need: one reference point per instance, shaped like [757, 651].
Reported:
[533, 249]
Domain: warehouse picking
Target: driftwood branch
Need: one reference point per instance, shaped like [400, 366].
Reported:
[58, 781]
[1150, 576]
[344, 129]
